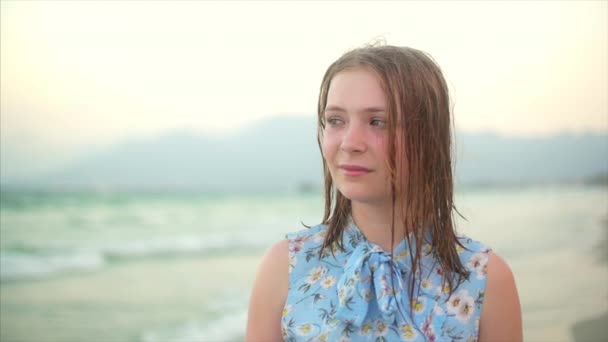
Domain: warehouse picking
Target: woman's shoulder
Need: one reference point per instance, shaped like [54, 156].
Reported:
[304, 234]
[277, 257]
[501, 304]
[304, 247]
[501, 301]
[474, 256]
[473, 253]
[269, 294]
[306, 239]
[469, 245]
[274, 264]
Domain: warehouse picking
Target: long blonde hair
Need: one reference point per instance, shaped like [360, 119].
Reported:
[420, 161]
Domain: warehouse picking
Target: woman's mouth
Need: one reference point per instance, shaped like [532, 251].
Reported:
[354, 170]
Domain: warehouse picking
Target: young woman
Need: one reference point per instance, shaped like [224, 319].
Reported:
[386, 263]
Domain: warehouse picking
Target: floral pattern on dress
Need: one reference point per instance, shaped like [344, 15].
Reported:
[359, 295]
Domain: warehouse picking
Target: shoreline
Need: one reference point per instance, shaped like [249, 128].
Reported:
[595, 328]
[592, 329]
[140, 300]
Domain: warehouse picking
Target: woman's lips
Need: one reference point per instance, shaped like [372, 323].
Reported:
[354, 170]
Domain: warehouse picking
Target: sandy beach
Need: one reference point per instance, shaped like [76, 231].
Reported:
[595, 329]
[124, 300]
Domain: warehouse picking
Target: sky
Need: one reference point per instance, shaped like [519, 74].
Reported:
[86, 73]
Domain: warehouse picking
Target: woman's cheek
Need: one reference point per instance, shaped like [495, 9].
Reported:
[329, 145]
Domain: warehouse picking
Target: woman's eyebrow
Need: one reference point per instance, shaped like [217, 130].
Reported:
[333, 108]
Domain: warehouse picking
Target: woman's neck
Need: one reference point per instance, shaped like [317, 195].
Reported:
[374, 221]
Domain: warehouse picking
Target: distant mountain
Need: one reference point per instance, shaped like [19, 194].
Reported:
[489, 158]
[281, 154]
[276, 155]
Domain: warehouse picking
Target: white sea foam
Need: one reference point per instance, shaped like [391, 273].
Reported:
[22, 266]
[180, 245]
[227, 317]
[226, 328]
[37, 264]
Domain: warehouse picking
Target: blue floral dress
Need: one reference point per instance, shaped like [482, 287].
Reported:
[348, 296]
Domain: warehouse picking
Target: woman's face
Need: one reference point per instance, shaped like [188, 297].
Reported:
[356, 135]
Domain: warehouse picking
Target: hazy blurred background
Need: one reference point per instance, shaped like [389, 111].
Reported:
[151, 151]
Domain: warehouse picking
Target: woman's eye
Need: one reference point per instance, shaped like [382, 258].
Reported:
[334, 121]
[378, 122]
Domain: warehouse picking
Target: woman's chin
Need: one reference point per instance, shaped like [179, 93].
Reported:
[362, 196]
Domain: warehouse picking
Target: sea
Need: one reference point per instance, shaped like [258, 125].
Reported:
[179, 266]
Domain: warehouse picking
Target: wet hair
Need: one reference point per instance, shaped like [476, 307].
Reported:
[420, 156]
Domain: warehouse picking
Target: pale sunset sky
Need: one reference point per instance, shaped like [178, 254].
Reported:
[80, 73]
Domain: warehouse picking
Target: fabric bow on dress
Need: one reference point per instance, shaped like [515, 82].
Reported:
[368, 273]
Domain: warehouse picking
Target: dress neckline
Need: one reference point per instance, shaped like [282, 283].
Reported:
[353, 235]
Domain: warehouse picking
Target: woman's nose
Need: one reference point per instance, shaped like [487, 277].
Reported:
[353, 139]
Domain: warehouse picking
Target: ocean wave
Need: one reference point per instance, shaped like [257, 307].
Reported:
[32, 263]
[22, 266]
[227, 317]
[224, 328]
[180, 246]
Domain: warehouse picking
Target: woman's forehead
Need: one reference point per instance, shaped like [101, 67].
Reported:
[357, 89]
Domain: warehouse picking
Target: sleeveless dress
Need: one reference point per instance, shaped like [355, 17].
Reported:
[348, 296]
